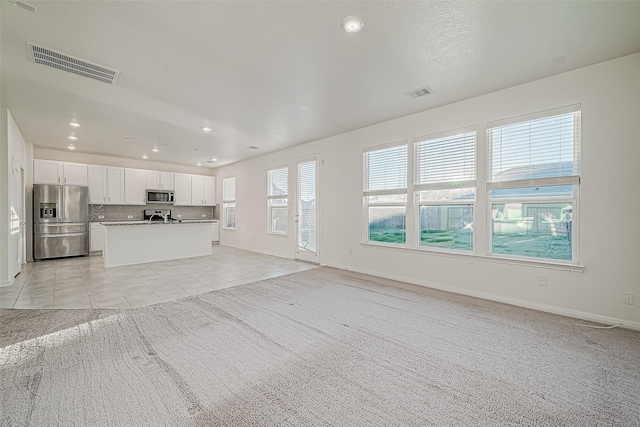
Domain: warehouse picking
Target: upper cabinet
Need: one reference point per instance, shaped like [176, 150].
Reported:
[106, 185]
[209, 190]
[203, 190]
[182, 189]
[53, 172]
[159, 180]
[121, 186]
[134, 187]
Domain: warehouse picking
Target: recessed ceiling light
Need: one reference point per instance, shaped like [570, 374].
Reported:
[73, 137]
[206, 129]
[74, 124]
[155, 149]
[352, 24]
[198, 164]
[144, 156]
[213, 159]
[71, 147]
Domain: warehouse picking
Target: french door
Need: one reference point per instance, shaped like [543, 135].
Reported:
[307, 242]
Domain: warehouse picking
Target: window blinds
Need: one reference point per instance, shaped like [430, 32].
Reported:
[278, 182]
[543, 150]
[385, 170]
[444, 162]
[229, 189]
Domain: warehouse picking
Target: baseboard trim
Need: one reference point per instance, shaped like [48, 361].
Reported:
[6, 283]
[626, 324]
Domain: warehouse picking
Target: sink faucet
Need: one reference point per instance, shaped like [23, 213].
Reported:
[165, 217]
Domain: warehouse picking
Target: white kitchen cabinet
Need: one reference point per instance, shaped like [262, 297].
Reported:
[75, 174]
[209, 190]
[97, 184]
[53, 172]
[159, 180]
[203, 190]
[96, 237]
[47, 172]
[197, 190]
[182, 189]
[134, 187]
[215, 231]
[106, 185]
[115, 186]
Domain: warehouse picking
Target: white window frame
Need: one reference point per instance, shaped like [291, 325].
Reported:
[367, 193]
[444, 185]
[270, 198]
[538, 182]
[228, 202]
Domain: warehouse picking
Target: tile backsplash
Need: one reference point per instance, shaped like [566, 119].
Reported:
[122, 212]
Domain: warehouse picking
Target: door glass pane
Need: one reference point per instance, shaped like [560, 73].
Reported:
[307, 206]
[539, 230]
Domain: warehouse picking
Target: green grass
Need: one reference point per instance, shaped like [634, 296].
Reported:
[447, 239]
[385, 235]
[532, 245]
[527, 245]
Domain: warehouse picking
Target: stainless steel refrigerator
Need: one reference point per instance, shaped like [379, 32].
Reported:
[60, 221]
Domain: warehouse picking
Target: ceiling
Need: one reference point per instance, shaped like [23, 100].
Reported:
[274, 74]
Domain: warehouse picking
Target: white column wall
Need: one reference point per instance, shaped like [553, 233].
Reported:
[609, 232]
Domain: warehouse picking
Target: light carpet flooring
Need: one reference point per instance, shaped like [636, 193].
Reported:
[322, 347]
[83, 282]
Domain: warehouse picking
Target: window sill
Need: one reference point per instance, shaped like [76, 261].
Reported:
[228, 228]
[574, 268]
[273, 233]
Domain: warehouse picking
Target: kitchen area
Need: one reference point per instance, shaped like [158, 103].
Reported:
[123, 197]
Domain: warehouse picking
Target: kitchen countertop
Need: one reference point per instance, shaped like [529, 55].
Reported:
[171, 222]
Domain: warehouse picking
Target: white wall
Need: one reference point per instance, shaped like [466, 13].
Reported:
[610, 97]
[97, 159]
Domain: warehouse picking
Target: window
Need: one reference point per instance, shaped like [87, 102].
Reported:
[229, 203]
[385, 193]
[277, 200]
[445, 187]
[533, 180]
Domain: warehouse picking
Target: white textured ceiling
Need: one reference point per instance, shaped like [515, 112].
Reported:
[276, 74]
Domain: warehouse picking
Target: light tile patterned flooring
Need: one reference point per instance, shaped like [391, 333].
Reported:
[81, 283]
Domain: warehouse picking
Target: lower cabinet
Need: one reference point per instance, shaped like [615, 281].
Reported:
[96, 237]
[215, 231]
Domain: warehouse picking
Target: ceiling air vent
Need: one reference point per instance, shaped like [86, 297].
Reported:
[44, 56]
[419, 92]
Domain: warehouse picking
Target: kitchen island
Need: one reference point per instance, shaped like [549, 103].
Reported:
[137, 242]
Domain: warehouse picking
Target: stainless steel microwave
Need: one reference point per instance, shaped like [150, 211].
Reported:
[164, 197]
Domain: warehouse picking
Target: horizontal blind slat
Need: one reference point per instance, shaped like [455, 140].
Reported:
[544, 147]
[445, 159]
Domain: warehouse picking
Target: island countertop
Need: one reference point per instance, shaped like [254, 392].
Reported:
[171, 222]
[126, 243]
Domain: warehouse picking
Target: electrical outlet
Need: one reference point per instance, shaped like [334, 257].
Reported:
[204, 215]
[542, 280]
[179, 216]
[129, 216]
[100, 216]
[627, 298]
